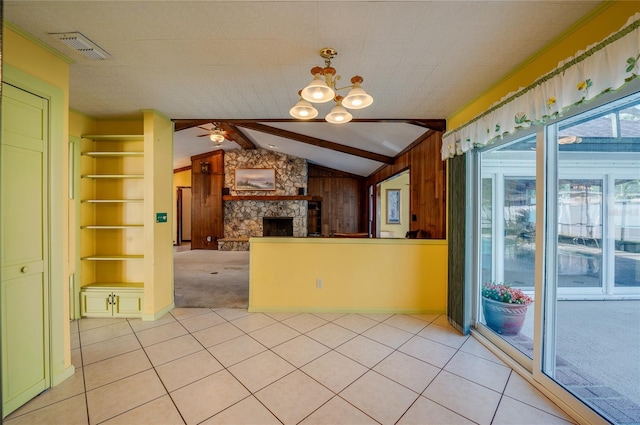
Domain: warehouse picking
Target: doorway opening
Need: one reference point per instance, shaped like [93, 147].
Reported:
[393, 203]
[206, 278]
[183, 217]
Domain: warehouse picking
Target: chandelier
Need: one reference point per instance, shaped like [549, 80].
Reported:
[323, 89]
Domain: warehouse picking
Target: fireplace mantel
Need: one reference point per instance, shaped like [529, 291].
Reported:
[270, 198]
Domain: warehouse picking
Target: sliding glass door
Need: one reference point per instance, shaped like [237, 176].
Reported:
[558, 216]
[592, 331]
[508, 227]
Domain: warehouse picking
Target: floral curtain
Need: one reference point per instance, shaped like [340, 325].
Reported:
[602, 67]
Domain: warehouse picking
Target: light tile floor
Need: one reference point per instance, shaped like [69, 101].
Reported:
[221, 366]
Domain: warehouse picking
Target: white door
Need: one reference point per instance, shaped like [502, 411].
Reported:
[23, 247]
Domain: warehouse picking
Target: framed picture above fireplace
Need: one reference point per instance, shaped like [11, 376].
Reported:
[255, 179]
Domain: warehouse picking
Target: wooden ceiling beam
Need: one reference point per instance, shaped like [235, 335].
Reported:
[183, 124]
[316, 142]
[234, 133]
[432, 124]
[435, 125]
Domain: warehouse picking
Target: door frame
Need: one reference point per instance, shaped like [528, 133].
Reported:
[179, 215]
[59, 229]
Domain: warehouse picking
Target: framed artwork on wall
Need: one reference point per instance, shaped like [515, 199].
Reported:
[255, 179]
[393, 206]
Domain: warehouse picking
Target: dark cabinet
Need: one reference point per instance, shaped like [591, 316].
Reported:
[314, 218]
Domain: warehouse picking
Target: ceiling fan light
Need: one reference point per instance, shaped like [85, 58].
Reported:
[303, 110]
[216, 137]
[338, 115]
[357, 98]
[317, 91]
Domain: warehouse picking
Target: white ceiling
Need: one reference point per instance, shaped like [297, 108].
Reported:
[217, 60]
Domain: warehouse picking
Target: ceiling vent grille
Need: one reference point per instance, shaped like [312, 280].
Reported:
[81, 44]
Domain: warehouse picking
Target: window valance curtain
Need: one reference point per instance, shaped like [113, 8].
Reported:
[602, 67]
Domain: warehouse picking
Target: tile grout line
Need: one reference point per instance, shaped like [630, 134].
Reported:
[436, 377]
[84, 376]
[157, 375]
[225, 368]
[296, 368]
[368, 369]
[335, 394]
[137, 373]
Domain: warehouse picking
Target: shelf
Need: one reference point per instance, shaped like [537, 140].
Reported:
[113, 176]
[112, 201]
[111, 220]
[269, 198]
[113, 154]
[112, 257]
[114, 138]
[117, 226]
[117, 285]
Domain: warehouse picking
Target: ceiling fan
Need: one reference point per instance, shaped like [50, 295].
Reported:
[215, 133]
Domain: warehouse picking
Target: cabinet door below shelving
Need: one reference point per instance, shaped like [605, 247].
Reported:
[127, 304]
[95, 303]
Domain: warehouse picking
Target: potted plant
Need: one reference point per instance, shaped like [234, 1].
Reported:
[505, 308]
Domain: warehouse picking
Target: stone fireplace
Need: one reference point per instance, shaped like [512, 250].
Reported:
[244, 219]
[244, 215]
[277, 226]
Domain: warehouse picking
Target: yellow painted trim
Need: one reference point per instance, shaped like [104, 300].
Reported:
[345, 311]
[37, 42]
[156, 112]
[158, 314]
[59, 378]
[348, 241]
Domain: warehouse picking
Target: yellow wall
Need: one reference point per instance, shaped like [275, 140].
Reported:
[38, 70]
[359, 275]
[603, 21]
[19, 50]
[182, 178]
[158, 165]
[132, 126]
[80, 124]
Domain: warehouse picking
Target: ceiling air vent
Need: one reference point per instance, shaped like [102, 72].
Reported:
[81, 44]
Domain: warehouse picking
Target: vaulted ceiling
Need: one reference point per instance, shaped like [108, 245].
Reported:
[241, 64]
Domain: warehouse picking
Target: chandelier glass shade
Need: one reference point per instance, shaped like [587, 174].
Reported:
[303, 110]
[323, 89]
[357, 98]
[318, 91]
[338, 115]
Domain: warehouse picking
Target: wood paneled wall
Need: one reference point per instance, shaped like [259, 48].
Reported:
[428, 186]
[207, 214]
[342, 195]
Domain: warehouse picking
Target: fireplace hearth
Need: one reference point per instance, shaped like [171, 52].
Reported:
[277, 226]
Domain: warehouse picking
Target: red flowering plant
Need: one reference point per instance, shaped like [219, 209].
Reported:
[504, 293]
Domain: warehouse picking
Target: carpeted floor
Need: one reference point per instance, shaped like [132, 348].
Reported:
[206, 278]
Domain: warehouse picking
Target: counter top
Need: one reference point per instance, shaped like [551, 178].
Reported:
[339, 240]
